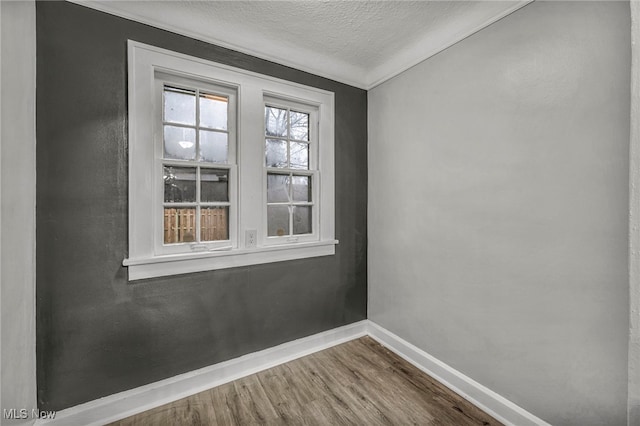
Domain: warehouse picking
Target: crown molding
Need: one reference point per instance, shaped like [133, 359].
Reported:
[328, 68]
[428, 47]
[339, 72]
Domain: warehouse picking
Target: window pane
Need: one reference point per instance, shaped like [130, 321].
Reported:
[213, 111]
[301, 188]
[179, 184]
[179, 225]
[214, 185]
[214, 223]
[277, 221]
[299, 126]
[276, 153]
[179, 143]
[301, 220]
[275, 121]
[214, 147]
[299, 155]
[277, 188]
[179, 106]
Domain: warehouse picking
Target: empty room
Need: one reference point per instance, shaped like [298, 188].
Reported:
[320, 212]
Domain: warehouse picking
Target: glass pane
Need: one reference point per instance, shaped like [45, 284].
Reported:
[277, 221]
[299, 126]
[214, 223]
[213, 111]
[179, 184]
[179, 143]
[179, 225]
[214, 185]
[275, 121]
[214, 147]
[276, 153]
[179, 106]
[301, 220]
[277, 188]
[299, 155]
[301, 188]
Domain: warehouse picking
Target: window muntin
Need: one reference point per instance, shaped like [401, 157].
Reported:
[289, 204]
[287, 137]
[195, 130]
[290, 142]
[196, 204]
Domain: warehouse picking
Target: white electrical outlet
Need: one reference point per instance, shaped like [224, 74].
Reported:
[250, 238]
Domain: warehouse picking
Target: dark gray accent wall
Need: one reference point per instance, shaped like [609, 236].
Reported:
[98, 334]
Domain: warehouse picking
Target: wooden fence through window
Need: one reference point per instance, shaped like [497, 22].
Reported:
[180, 225]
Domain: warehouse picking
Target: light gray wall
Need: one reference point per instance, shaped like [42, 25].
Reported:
[17, 214]
[634, 225]
[498, 208]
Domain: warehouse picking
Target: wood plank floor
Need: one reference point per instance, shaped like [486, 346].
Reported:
[357, 383]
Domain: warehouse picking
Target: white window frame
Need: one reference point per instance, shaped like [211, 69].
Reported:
[313, 172]
[148, 257]
[162, 78]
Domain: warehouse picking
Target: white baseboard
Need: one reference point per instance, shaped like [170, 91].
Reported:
[134, 401]
[490, 402]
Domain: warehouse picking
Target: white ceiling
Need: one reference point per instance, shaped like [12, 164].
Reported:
[361, 43]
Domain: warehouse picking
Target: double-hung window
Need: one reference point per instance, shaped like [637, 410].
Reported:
[291, 171]
[226, 167]
[196, 143]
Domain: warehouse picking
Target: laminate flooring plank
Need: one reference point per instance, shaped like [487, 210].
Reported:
[357, 383]
[445, 398]
[395, 383]
[226, 405]
[326, 412]
[253, 402]
[384, 391]
[284, 400]
[299, 381]
[387, 396]
[430, 394]
[210, 412]
[376, 406]
[344, 396]
[334, 395]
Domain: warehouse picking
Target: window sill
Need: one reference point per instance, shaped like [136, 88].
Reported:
[160, 266]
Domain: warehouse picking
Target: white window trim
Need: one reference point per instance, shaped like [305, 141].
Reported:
[145, 261]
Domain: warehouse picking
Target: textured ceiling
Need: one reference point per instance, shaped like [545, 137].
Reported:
[357, 42]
